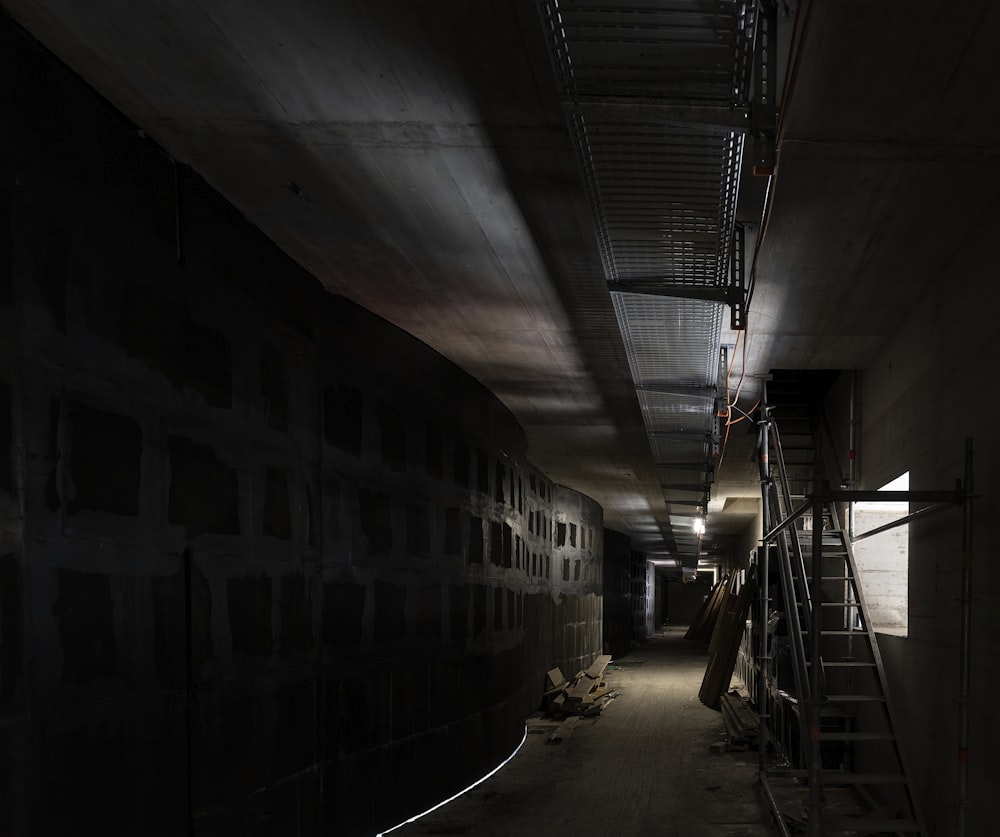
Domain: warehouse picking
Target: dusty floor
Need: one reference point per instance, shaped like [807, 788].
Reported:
[642, 768]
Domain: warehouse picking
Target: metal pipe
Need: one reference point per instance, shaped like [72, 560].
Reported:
[957, 496]
[965, 655]
[792, 537]
[189, 686]
[763, 566]
[763, 707]
[815, 674]
[924, 512]
[788, 547]
[852, 450]
[796, 627]
[788, 521]
[852, 430]
[779, 818]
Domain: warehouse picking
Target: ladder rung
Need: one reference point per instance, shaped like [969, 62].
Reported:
[842, 664]
[840, 604]
[860, 634]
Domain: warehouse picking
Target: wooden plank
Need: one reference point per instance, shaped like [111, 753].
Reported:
[725, 644]
[580, 695]
[555, 679]
[729, 601]
[596, 670]
[598, 707]
[704, 621]
[742, 724]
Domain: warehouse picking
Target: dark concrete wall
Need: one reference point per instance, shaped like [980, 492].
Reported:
[661, 580]
[267, 564]
[617, 593]
[920, 397]
[628, 595]
[572, 605]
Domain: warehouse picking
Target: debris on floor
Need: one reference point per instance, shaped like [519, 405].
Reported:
[539, 725]
[585, 694]
[742, 722]
[563, 731]
[620, 664]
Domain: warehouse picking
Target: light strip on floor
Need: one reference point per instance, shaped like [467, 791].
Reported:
[461, 792]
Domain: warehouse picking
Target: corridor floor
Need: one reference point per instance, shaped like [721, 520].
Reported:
[642, 768]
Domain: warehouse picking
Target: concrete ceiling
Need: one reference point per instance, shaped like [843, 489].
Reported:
[415, 158]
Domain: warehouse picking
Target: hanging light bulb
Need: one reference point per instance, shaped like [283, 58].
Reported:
[699, 525]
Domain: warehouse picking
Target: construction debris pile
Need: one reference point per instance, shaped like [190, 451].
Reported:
[586, 694]
[742, 723]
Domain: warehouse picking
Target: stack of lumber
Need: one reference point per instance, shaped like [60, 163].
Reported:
[725, 644]
[704, 621]
[585, 694]
[742, 723]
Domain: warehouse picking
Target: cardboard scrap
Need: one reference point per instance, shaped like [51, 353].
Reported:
[585, 694]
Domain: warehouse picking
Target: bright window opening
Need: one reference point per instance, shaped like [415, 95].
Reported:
[883, 560]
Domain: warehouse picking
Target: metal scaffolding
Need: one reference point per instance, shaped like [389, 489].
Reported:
[835, 657]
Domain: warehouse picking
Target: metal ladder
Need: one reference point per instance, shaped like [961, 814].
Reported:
[846, 733]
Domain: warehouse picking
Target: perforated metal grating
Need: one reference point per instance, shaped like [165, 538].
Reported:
[670, 340]
[653, 93]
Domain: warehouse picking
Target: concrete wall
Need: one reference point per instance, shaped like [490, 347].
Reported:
[267, 565]
[643, 583]
[921, 396]
[618, 591]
